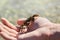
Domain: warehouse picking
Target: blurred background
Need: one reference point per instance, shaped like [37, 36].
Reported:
[12, 10]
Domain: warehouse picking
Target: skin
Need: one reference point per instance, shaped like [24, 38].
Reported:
[44, 33]
[8, 30]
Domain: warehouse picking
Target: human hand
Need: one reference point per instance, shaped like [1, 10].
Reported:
[9, 32]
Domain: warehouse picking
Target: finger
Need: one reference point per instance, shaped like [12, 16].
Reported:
[7, 23]
[7, 37]
[9, 33]
[21, 21]
[8, 29]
